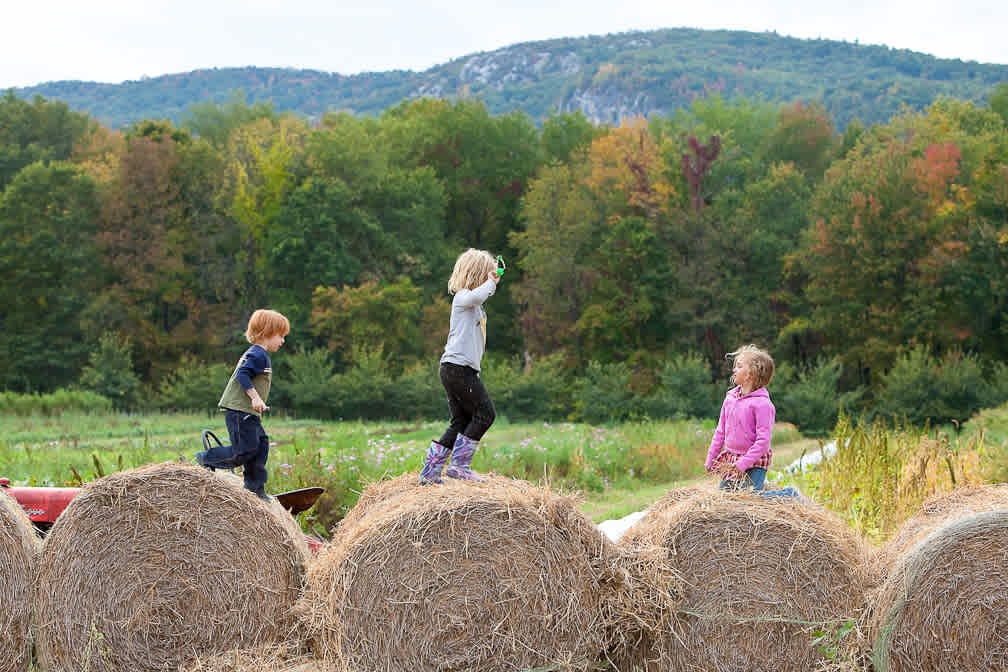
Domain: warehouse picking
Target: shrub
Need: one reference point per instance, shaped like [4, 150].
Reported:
[311, 385]
[364, 390]
[685, 390]
[604, 394]
[193, 386]
[417, 394]
[109, 371]
[540, 393]
[810, 398]
[53, 403]
[923, 389]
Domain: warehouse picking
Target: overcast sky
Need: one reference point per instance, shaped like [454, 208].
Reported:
[117, 40]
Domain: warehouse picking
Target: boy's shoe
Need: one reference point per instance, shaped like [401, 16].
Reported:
[261, 494]
[200, 458]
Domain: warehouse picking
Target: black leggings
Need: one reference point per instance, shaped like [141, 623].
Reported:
[472, 412]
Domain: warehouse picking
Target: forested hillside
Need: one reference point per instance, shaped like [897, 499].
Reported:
[873, 262]
[608, 78]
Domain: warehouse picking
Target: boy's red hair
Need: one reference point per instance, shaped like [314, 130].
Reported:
[265, 323]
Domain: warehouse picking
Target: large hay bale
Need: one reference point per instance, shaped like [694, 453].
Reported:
[757, 577]
[19, 546]
[378, 492]
[944, 601]
[149, 568]
[494, 576]
[938, 510]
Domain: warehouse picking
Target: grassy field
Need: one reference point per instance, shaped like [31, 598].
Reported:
[617, 470]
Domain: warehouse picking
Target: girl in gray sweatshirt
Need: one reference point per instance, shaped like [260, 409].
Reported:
[473, 281]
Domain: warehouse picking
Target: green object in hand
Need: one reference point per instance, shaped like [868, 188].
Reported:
[500, 265]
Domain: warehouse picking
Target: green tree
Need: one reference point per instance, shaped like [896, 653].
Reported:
[214, 122]
[803, 135]
[370, 318]
[109, 371]
[36, 131]
[563, 134]
[999, 101]
[48, 273]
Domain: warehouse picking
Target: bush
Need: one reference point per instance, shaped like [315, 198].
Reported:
[925, 390]
[193, 386]
[810, 398]
[364, 391]
[604, 394]
[685, 390]
[418, 394]
[54, 403]
[109, 371]
[541, 393]
[310, 386]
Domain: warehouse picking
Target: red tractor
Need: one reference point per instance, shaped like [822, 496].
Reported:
[44, 505]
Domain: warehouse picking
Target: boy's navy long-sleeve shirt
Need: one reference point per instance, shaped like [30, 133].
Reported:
[254, 369]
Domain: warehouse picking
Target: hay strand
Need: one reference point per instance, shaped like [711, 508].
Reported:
[19, 546]
[147, 569]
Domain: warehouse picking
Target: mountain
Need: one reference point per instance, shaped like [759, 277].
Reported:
[607, 77]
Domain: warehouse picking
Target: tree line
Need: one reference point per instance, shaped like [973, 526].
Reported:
[848, 254]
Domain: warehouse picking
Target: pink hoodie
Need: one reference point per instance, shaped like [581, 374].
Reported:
[744, 428]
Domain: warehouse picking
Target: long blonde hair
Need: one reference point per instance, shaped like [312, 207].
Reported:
[471, 270]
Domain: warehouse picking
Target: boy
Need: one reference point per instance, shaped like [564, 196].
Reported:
[244, 400]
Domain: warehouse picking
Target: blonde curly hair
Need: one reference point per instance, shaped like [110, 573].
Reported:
[471, 270]
[758, 361]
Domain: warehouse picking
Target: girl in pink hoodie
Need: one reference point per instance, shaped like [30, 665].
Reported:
[740, 450]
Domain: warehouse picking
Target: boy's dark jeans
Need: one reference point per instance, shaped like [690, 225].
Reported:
[472, 412]
[249, 449]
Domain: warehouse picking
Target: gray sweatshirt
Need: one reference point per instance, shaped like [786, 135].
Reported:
[467, 328]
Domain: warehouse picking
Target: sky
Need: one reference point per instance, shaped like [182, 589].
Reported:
[117, 40]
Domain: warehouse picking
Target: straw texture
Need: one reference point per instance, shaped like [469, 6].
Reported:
[276, 658]
[758, 577]
[488, 576]
[19, 546]
[944, 602]
[149, 568]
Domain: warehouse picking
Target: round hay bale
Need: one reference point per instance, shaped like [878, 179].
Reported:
[757, 577]
[19, 546]
[149, 568]
[494, 576]
[675, 496]
[378, 492]
[944, 600]
[938, 510]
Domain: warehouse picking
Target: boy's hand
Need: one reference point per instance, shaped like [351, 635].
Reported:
[257, 403]
[493, 275]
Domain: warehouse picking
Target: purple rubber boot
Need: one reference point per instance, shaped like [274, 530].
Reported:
[462, 455]
[437, 455]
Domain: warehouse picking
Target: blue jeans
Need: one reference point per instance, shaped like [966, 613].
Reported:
[755, 480]
[249, 449]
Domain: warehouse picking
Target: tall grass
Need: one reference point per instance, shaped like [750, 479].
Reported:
[881, 474]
